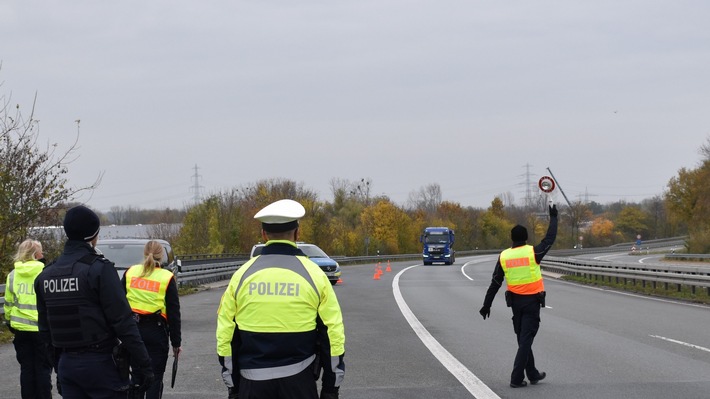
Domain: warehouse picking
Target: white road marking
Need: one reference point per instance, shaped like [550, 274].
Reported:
[675, 341]
[471, 262]
[473, 384]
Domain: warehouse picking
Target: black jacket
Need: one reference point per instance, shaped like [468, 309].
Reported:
[81, 304]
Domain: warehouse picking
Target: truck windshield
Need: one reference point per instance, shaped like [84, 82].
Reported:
[436, 238]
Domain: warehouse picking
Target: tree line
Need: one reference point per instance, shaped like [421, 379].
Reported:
[34, 192]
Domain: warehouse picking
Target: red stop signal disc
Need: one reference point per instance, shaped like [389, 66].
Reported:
[546, 184]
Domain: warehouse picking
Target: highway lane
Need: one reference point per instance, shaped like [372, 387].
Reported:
[592, 343]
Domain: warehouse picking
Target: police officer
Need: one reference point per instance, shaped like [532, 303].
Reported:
[520, 265]
[21, 316]
[277, 316]
[153, 296]
[83, 310]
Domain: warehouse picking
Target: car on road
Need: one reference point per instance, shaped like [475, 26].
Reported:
[330, 267]
[126, 252]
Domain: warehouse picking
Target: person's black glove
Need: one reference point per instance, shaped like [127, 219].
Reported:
[146, 377]
[553, 211]
[331, 393]
[485, 312]
[232, 393]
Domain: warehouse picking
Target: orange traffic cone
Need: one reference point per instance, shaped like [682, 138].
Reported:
[376, 276]
[340, 281]
[388, 269]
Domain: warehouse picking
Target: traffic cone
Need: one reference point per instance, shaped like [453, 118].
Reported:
[388, 269]
[376, 276]
[340, 281]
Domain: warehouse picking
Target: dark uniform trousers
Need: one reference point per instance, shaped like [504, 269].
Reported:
[155, 337]
[86, 375]
[526, 322]
[35, 365]
[298, 386]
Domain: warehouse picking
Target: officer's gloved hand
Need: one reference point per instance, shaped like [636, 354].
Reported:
[232, 393]
[226, 362]
[553, 211]
[329, 393]
[485, 312]
[145, 378]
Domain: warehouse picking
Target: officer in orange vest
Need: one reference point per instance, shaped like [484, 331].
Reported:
[520, 265]
[152, 294]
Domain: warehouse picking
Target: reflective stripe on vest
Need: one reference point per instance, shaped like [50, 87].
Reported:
[146, 294]
[522, 273]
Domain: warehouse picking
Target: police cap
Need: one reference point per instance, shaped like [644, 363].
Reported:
[81, 223]
[280, 216]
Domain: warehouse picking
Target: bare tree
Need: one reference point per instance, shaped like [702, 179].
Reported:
[427, 198]
[705, 150]
[33, 185]
[117, 214]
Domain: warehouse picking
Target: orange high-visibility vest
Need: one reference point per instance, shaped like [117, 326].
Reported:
[146, 294]
[522, 272]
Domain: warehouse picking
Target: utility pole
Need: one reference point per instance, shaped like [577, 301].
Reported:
[528, 187]
[196, 186]
[575, 221]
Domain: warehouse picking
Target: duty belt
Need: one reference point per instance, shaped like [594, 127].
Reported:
[101, 347]
[148, 318]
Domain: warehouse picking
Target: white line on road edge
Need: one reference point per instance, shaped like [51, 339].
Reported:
[472, 262]
[473, 384]
[681, 343]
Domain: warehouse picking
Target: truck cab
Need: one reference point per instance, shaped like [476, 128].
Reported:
[438, 245]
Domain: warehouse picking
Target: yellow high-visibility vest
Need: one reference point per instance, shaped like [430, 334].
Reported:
[146, 294]
[522, 272]
[20, 299]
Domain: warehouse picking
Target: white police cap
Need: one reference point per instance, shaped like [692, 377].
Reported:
[280, 216]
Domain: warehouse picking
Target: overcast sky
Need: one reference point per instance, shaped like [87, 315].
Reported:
[477, 96]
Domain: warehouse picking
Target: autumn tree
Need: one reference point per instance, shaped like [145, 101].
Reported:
[688, 200]
[602, 233]
[495, 226]
[390, 228]
[224, 223]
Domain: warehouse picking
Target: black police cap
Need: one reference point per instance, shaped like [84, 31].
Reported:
[81, 223]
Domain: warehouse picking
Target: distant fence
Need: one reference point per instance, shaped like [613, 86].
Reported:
[693, 276]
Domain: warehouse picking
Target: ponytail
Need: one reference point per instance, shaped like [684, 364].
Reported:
[153, 255]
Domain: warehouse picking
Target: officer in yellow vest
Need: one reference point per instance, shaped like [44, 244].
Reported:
[152, 294]
[278, 309]
[21, 316]
[520, 265]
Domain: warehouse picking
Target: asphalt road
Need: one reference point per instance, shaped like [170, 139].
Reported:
[416, 333]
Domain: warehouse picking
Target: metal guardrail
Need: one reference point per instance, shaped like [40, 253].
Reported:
[693, 276]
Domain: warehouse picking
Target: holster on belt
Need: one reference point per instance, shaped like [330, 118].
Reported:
[316, 362]
[508, 298]
[122, 358]
[541, 296]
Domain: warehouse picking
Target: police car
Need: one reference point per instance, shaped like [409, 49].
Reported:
[126, 252]
[330, 267]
